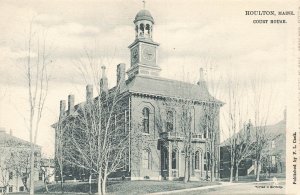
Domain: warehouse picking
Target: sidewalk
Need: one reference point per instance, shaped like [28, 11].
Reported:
[207, 188]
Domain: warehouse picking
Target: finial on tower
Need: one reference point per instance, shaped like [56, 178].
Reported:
[144, 4]
[201, 75]
[103, 71]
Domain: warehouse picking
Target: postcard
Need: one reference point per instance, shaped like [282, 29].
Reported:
[149, 97]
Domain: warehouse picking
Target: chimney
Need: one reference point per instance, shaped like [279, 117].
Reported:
[62, 107]
[103, 81]
[121, 75]
[201, 81]
[71, 103]
[89, 93]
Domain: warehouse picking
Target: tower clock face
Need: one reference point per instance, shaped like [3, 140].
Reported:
[134, 55]
[148, 53]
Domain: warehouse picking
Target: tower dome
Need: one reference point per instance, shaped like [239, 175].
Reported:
[143, 24]
[143, 15]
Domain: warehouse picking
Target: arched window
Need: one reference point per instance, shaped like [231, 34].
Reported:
[170, 121]
[146, 120]
[142, 28]
[164, 159]
[197, 160]
[146, 159]
[148, 29]
[174, 159]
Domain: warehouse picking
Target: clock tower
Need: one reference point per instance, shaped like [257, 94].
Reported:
[143, 51]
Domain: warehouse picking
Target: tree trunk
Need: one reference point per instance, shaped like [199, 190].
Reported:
[237, 172]
[31, 179]
[46, 187]
[189, 167]
[212, 175]
[99, 184]
[212, 155]
[61, 182]
[104, 184]
[90, 183]
[185, 168]
[231, 173]
[258, 170]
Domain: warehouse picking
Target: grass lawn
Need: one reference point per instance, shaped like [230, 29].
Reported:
[123, 187]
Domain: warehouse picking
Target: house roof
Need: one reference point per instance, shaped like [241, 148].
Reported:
[270, 130]
[12, 141]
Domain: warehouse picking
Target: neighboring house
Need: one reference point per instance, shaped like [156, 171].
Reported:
[144, 109]
[274, 161]
[15, 163]
[47, 173]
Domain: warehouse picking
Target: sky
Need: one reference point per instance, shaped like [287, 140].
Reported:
[191, 34]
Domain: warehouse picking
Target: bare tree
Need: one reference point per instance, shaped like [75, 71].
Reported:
[182, 108]
[243, 147]
[96, 134]
[37, 76]
[15, 161]
[261, 109]
[210, 122]
[4, 168]
[60, 147]
[46, 171]
[233, 120]
[96, 143]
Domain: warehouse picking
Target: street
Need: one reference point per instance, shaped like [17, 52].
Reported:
[244, 188]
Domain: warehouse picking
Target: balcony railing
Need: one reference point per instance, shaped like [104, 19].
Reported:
[179, 136]
[171, 136]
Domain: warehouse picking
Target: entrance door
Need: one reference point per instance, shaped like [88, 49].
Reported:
[164, 163]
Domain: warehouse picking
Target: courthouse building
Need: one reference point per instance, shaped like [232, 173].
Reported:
[154, 107]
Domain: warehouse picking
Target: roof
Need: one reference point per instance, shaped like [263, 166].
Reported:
[10, 140]
[169, 88]
[270, 130]
[143, 15]
[157, 86]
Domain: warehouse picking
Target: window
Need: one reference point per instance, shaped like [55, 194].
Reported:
[10, 189]
[164, 158]
[146, 159]
[197, 160]
[142, 28]
[11, 174]
[207, 161]
[148, 29]
[205, 133]
[273, 160]
[170, 121]
[40, 176]
[273, 144]
[146, 120]
[21, 189]
[174, 159]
